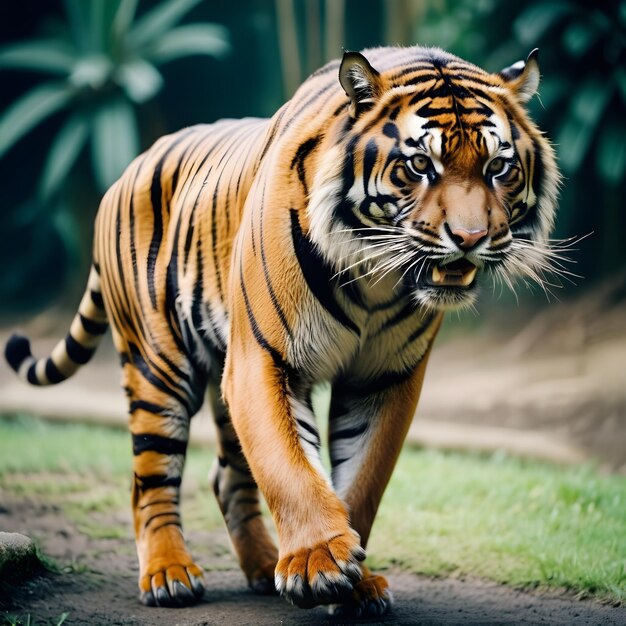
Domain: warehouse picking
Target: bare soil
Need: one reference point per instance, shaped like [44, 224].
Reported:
[97, 585]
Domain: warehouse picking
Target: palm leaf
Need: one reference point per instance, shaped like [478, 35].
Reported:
[63, 154]
[158, 21]
[140, 79]
[31, 109]
[78, 23]
[209, 39]
[45, 55]
[115, 141]
[124, 17]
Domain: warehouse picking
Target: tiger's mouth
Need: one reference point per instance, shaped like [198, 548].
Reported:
[459, 273]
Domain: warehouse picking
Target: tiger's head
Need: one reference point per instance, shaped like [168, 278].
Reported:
[437, 176]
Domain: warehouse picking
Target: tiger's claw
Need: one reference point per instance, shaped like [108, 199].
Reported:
[323, 574]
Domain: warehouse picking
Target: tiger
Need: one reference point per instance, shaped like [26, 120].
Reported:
[252, 260]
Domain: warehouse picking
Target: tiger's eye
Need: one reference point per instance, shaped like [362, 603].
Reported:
[420, 162]
[496, 166]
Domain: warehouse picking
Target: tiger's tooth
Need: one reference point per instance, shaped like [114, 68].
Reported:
[467, 278]
[437, 277]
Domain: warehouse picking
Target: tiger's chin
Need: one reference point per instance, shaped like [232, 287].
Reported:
[447, 286]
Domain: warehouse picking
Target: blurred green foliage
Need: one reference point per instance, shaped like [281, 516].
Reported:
[103, 62]
[96, 64]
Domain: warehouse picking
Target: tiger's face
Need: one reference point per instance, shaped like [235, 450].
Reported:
[444, 178]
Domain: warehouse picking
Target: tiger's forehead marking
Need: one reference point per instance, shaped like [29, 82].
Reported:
[483, 134]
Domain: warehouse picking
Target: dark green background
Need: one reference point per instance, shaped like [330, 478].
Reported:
[44, 250]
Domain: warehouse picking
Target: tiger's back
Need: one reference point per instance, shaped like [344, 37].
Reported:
[164, 234]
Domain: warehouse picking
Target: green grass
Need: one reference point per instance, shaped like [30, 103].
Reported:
[518, 522]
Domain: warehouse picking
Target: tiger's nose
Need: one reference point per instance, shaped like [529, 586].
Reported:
[468, 239]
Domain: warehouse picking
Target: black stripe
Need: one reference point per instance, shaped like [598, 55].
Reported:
[156, 192]
[304, 106]
[131, 217]
[52, 372]
[31, 375]
[308, 428]
[231, 447]
[426, 77]
[157, 443]
[214, 242]
[250, 516]
[222, 421]
[268, 281]
[93, 327]
[240, 487]
[157, 480]
[312, 431]
[256, 331]
[150, 407]
[272, 134]
[348, 433]
[317, 274]
[198, 302]
[157, 515]
[388, 379]
[142, 366]
[176, 173]
[304, 149]
[344, 209]
[417, 66]
[425, 323]
[472, 78]
[96, 298]
[171, 292]
[157, 228]
[405, 312]
[119, 258]
[538, 171]
[177, 523]
[246, 501]
[427, 110]
[369, 160]
[76, 351]
[315, 443]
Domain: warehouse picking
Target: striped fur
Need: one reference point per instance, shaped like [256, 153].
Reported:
[257, 258]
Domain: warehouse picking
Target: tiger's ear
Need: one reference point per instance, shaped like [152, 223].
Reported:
[523, 77]
[360, 81]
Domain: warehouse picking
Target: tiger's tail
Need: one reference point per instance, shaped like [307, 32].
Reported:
[88, 326]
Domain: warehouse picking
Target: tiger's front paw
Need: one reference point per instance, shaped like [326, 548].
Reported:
[171, 582]
[370, 597]
[323, 574]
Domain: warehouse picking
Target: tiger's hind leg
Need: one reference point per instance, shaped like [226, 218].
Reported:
[238, 498]
[160, 409]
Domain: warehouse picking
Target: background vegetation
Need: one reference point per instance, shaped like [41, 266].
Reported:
[105, 78]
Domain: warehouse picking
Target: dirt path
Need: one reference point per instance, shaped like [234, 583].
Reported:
[99, 586]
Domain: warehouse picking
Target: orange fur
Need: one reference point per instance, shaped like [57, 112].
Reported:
[261, 257]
